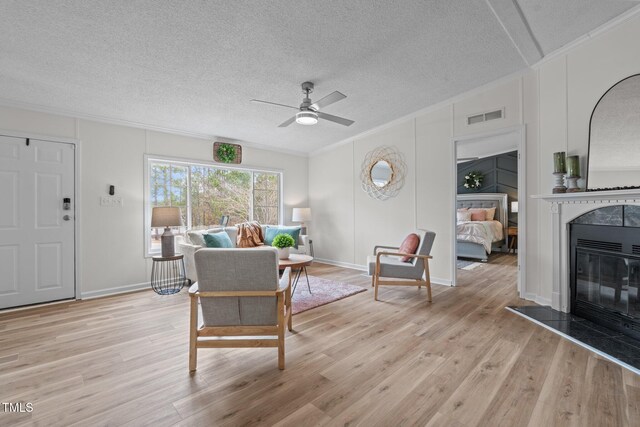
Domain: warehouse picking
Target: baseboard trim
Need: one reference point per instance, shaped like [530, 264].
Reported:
[434, 280]
[342, 264]
[115, 291]
[537, 299]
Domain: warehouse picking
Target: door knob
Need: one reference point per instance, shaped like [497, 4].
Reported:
[66, 217]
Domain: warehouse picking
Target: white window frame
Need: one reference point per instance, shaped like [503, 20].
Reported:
[149, 159]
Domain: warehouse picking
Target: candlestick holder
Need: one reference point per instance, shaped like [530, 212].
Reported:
[559, 187]
[572, 184]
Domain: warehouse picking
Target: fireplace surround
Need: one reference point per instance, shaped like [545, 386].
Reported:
[604, 253]
[564, 209]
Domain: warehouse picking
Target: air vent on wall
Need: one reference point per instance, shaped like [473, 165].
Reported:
[635, 249]
[485, 117]
[596, 244]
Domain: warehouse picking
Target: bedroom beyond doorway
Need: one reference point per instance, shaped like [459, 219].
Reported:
[488, 184]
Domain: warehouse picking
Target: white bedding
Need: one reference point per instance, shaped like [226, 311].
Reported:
[482, 232]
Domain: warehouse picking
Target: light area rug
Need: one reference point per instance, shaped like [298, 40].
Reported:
[468, 265]
[323, 292]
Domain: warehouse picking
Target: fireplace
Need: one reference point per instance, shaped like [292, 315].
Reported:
[604, 269]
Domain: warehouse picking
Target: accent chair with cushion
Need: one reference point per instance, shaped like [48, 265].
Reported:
[243, 302]
[387, 262]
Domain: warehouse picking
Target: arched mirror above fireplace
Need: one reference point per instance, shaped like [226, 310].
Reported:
[614, 138]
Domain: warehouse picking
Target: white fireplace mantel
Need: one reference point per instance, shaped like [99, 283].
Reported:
[565, 208]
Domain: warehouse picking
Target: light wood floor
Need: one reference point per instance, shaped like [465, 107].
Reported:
[462, 360]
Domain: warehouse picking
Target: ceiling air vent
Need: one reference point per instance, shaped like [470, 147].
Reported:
[485, 117]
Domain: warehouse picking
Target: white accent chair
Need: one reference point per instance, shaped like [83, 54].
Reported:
[388, 264]
[240, 296]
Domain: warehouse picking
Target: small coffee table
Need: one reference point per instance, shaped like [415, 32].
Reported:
[298, 264]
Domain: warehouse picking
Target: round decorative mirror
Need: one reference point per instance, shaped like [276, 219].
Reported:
[381, 173]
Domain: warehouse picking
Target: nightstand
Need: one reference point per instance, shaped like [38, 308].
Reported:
[512, 232]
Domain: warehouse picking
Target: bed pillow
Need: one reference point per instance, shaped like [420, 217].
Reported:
[491, 213]
[478, 214]
[409, 246]
[463, 216]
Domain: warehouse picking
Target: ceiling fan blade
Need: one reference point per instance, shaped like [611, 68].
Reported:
[335, 119]
[288, 122]
[328, 100]
[274, 103]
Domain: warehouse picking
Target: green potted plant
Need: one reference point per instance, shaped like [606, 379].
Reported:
[283, 242]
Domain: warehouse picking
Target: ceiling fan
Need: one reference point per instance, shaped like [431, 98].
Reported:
[309, 112]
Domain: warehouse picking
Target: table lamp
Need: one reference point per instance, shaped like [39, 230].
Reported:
[301, 215]
[166, 217]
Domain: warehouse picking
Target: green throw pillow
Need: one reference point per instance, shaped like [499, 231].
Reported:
[218, 240]
[271, 232]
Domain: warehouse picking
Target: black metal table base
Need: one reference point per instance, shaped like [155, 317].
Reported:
[296, 278]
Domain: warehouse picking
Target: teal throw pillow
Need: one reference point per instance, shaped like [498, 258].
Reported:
[218, 240]
[271, 232]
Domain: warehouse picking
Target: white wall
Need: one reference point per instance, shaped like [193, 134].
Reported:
[112, 239]
[553, 101]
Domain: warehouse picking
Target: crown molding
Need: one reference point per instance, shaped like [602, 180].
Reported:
[128, 123]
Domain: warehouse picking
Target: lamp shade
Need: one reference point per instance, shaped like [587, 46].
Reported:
[166, 217]
[301, 215]
[514, 207]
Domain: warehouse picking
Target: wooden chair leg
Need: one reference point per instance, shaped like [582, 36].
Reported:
[288, 303]
[373, 279]
[427, 279]
[193, 335]
[281, 321]
[376, 280]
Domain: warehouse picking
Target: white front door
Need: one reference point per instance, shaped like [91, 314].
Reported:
[37, 232]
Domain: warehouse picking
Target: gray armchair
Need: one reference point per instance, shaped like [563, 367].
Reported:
[240, 295]
[387, 262]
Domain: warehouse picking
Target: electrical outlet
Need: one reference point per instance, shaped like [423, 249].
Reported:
[105, 201]
[116, 202]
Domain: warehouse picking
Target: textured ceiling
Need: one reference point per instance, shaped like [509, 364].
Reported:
[194, 65]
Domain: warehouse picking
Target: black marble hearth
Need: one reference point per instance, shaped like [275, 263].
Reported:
[615, 345]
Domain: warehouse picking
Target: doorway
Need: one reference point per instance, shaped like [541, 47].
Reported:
[37, 221]
[489, 181]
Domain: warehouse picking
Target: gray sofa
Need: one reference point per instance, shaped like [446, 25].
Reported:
[192, 241]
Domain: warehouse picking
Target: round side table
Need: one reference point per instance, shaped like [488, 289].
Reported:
[168, 275]
[298, 264]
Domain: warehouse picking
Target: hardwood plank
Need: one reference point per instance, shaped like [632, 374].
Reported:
[462, 360]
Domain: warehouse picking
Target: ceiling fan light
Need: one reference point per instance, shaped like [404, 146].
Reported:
[306, 118]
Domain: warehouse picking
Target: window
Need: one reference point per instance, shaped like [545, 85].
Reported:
[205, 193]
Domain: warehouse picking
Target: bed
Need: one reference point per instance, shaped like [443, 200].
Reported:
[477, 239]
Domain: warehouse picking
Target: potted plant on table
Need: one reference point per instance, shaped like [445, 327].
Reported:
[283, 242]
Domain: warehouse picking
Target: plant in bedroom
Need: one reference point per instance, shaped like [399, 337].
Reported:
[473, 180]
[283, 242]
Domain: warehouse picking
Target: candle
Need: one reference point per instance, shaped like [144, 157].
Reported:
[559, 162]
[573, 166]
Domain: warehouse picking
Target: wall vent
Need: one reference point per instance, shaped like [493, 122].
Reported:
[485, 117]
